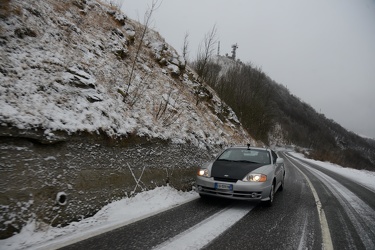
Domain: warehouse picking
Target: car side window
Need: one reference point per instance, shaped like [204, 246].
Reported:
[274, 157]
[225, 154]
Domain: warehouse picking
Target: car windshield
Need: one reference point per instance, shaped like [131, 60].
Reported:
[245, 155]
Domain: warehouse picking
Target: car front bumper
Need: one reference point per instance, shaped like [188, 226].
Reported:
[239, 190]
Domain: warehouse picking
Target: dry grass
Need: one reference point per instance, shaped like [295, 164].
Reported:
[6, 9]
[61, 6]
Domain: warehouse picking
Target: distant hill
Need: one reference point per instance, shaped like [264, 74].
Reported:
[270, 113]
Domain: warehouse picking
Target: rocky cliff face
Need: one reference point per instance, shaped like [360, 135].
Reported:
[72, 178]
[91, 112]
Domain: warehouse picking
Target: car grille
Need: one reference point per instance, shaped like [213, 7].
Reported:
[231, 194]
[225, 179]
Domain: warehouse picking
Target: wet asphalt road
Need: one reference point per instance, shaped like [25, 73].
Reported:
[293, 222]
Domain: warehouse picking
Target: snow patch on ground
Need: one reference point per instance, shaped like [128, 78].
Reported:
[36, 235]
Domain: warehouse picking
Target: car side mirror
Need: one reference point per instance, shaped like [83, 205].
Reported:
[279, 161]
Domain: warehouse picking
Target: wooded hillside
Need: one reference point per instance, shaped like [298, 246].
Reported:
[266, 108]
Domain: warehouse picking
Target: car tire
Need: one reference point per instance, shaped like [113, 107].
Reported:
[205, 198]
[271, 196]
[281, 188]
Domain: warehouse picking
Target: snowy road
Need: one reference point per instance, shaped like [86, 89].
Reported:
[294, 222]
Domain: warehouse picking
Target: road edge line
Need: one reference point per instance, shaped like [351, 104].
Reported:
[326, 235]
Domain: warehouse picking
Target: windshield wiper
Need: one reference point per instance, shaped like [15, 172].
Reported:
[223, 160]
[247, 161]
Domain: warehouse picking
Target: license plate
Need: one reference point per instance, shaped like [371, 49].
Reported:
[223, 186]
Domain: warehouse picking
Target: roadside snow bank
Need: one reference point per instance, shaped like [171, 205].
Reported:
[113, 215]
[363, 177]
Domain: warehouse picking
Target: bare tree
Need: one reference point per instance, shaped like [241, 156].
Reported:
[147, 19]
[166, 110]
[185, 47]
[205, 51]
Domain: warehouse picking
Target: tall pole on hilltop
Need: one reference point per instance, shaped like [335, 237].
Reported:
[234, 47]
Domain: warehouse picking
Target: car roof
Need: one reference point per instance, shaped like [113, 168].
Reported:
[245, 147]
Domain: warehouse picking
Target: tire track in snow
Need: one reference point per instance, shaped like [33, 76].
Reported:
[302, 242]
[204, 232]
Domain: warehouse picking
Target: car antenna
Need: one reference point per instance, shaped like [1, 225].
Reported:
[248, 146]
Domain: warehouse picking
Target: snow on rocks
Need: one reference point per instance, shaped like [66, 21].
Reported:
[78, 77]
[130, 31]
[120, 17]
[175, 70]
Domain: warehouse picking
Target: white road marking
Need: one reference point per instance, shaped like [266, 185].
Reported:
[326, 235]
[207, 230]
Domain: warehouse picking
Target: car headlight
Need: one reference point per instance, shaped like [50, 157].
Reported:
[255, 177]
[204, 172]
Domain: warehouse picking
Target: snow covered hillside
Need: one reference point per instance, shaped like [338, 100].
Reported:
[65, 66]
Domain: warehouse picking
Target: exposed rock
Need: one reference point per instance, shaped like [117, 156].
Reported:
[175, 70]
[64, 22]
[80, 4]
[130, 31]
[93, 96]
[79, 78]
[34, 12]
[22, 32]
[120, 18]
[35, 135]
[120, 52]
[118, 32]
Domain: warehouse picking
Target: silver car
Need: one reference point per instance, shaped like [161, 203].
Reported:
[243, 173]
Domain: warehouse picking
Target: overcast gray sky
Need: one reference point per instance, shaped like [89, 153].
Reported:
[322, 50]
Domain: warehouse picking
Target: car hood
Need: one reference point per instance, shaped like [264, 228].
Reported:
[233, 170]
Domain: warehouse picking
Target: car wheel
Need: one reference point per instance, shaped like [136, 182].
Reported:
[271, 196]
[281, 188]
